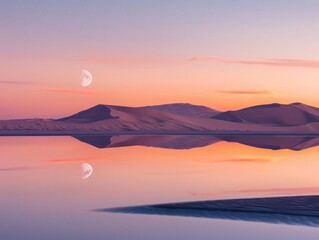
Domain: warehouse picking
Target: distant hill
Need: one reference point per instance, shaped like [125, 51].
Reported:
[173, 119]
[150, 118]
[273, 114]
[94, 114]
[187, 109]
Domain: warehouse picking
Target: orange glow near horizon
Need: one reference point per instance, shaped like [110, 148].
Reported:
[55, 91]
[203, 172]
[146, 54]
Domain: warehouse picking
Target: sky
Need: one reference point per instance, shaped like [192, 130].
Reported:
[222, 54]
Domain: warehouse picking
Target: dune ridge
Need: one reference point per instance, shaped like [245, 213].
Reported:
[177, 118]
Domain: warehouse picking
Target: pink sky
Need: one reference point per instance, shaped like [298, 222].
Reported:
[143, 54]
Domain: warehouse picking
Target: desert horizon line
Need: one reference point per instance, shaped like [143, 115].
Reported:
[180, 103]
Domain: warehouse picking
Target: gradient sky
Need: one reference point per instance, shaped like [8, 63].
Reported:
[223, 54]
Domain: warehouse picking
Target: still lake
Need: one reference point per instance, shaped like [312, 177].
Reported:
[43, 194]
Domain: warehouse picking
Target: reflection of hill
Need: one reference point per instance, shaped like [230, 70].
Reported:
[96, 141]
[274, 142]
[296, 210]
[171, 142]
[188, 142]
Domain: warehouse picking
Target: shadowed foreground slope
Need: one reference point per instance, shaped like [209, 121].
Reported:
[296, 210]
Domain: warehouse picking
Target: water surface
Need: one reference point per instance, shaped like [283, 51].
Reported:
[44, 197]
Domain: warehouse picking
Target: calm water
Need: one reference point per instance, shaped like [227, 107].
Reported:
[43, 195]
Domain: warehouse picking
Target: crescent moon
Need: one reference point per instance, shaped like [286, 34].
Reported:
[86, 78]
[87, 170]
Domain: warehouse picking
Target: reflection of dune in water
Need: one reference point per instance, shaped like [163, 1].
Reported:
[296, 210]
[187, 142]
[169, 142]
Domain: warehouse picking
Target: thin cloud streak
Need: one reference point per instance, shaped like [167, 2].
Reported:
[73, 91]
[16, 83]
[14, 169]
[245, 160]
[70, 160]
[245, 92]
[276, 62]
[126, 60]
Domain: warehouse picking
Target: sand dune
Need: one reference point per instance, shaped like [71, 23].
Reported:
[273, 115]
[187, 109]
[94, 114]
[173, 119]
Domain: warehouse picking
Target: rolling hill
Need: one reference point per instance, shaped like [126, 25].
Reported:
[170, 119]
